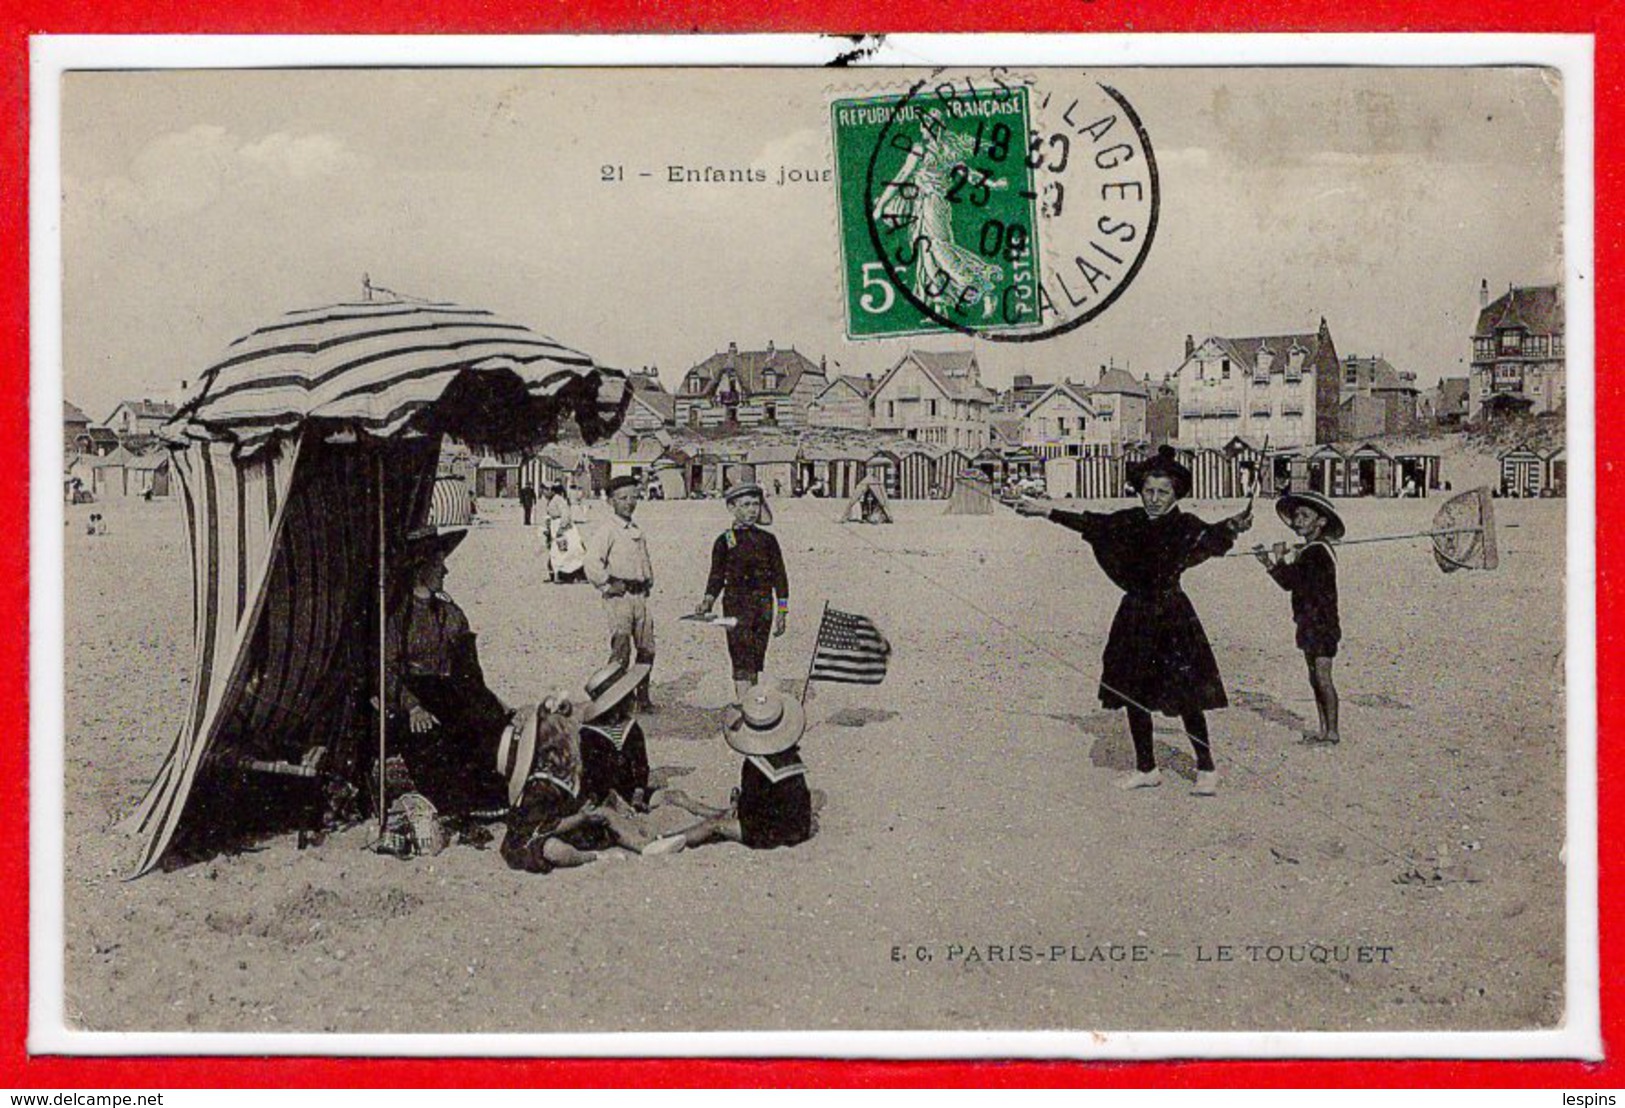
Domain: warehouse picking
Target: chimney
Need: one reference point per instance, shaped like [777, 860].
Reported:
[770, 348]
[1484, 293]
[733, 348]
[1190, 346]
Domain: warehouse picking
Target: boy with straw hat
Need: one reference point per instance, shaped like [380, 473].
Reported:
[1309, 573]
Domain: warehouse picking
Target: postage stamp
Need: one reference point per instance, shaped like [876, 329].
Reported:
[996, 205]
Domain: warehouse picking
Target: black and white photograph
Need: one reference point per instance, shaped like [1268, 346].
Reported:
[974, 552]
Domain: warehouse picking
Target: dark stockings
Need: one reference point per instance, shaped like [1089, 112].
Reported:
[1145, 754]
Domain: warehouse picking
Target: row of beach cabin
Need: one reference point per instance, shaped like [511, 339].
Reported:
[921, 472]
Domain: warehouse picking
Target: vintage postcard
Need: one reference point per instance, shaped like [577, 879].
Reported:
[1057, 548]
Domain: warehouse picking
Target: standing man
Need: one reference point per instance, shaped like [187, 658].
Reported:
[527, 501]
[618, 567]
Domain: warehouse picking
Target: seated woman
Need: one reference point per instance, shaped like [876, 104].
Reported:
[445, 722]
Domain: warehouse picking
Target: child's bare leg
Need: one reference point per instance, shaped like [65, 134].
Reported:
[562, 854]
[1320, 677]
[627, 828]
[677, 798]
[723, 828]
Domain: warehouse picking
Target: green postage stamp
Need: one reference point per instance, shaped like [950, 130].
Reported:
[938, 211]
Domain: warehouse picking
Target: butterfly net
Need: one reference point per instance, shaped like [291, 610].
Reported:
[1464, 532]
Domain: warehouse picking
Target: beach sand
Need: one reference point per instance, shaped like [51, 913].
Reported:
[970, 811]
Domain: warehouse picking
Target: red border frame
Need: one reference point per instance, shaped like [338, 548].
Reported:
[1606, 20]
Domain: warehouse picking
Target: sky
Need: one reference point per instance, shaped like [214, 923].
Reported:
[200, 205]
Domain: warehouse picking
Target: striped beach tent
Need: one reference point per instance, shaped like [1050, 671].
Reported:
[1100, 477]
[305, 457]
[949, 466]
[881, 467]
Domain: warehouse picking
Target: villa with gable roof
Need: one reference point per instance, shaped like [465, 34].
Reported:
[750, 388]
[1518, 362]
[1280, 388]
[934, 397]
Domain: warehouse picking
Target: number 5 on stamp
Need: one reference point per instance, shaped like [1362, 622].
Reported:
[938, 213]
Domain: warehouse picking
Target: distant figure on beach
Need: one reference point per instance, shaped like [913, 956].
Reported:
[527, 501]
[618, 566]
[747, 572]
[1309, 573]
[1157, 656]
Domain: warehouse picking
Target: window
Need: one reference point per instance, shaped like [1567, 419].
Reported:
[931, 407]
[1224, 369]
[1484, 348]
[1509, 342]
[1557, 344]
[770, 412]
[1351, 376]
[770, 381]
[891, 413]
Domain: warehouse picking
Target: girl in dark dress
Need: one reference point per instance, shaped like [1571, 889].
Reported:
[747, 571]
[1157, 656]
[1309, 573]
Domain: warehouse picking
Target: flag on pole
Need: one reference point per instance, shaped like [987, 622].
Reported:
[850, 649]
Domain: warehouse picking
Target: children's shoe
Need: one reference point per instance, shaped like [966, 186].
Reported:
[1148, 780]
[1207, 783]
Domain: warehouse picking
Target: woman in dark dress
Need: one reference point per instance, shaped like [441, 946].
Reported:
[1157, 656]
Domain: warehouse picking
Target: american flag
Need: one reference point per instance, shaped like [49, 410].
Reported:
[850, 649]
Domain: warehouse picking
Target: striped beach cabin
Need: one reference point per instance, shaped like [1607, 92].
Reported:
[916, 474]
[881, 468]
[1523, 471]
[949, 465]
[1325, 471]
[1557, 472]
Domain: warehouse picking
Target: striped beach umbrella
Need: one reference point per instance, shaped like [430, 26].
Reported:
[306, 456]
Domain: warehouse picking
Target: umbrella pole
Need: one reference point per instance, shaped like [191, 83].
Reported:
[383, 656]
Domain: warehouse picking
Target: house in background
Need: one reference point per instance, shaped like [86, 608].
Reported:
[1022, 394]
[934, 397]
[1161, 410]
[139, 418]
[843, 403]
[1518, 360]
[1071, 420]
[750, 388]
[652, 407]
[1445, 404]
[1375, 399]
[74, 424]
[1277, 388]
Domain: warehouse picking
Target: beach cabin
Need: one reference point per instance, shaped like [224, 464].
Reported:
[1371, 471]
[109, 474]
[775, 468]
[1523, 471]
[1215, 475]
[1061, 478]
[881, 467]
[1021, 464]
[1415, 474]
[916, 474]
[949, 466]
[1325, 471]
[1101, 477]
[991, 463]
[148, 475]
[671, 478]
[1250, 460]
[496, 477]
[841, 474]
[1557, 472]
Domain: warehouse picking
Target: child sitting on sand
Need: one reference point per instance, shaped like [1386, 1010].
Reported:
[1309, 573]
[614, 756]
[773, 805]
[551, 824]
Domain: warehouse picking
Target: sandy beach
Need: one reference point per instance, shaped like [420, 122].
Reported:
[971, 822]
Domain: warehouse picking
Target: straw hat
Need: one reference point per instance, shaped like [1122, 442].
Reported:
[611, 685]
[1290, 502]
[750, 488]
[427, 542]
[516, 752]
[767, 722]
